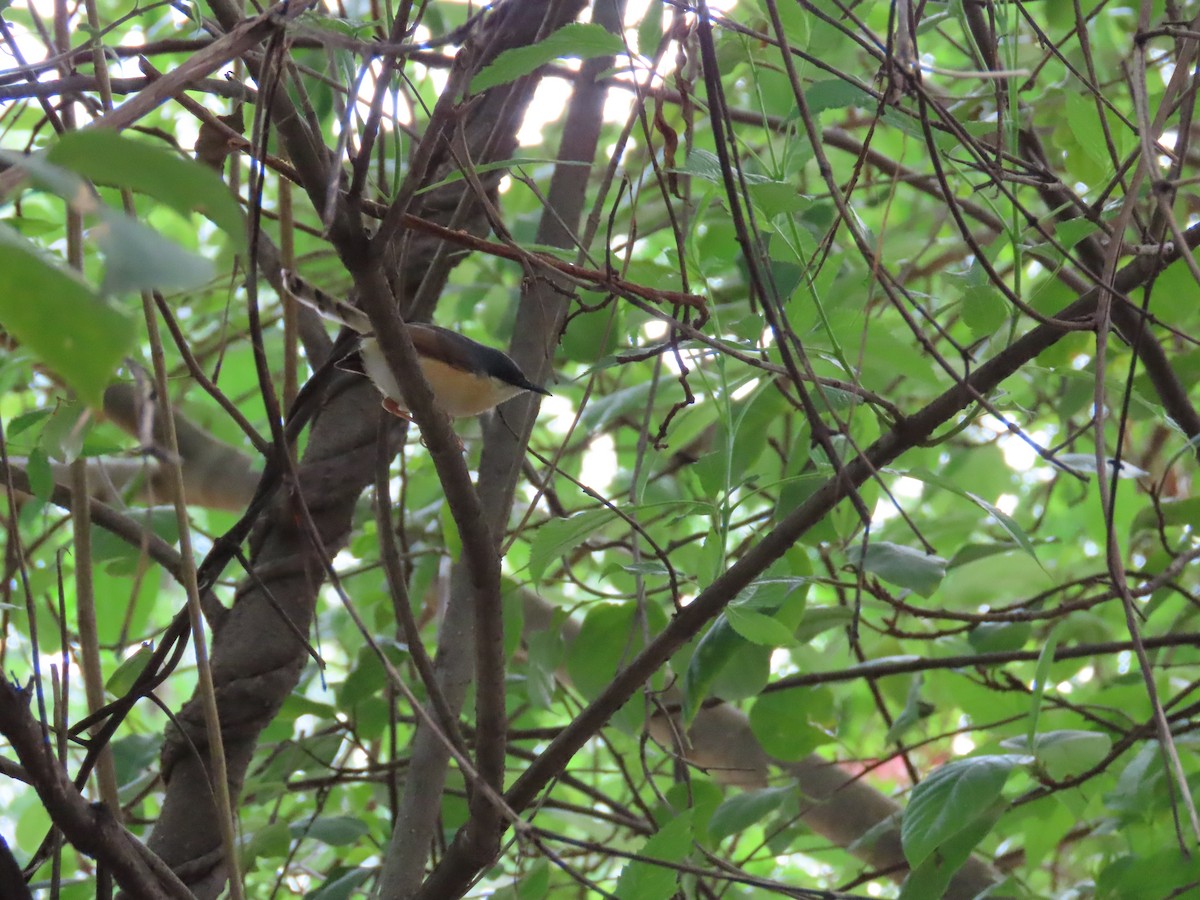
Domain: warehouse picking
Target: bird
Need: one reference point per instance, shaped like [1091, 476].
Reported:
[468, 378]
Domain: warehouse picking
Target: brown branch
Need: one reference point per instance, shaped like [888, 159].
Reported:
[603, 281]
[455, 871]
[124, 527]
[247, 34]
[255, 667]
[74, 84]
[976, 660]
[90, 828]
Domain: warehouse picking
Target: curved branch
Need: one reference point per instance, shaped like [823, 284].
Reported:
[456, 872]
[89, 827]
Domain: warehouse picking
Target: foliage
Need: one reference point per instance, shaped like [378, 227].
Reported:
[898, 254]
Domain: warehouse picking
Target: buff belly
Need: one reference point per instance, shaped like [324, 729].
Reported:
[458, 392]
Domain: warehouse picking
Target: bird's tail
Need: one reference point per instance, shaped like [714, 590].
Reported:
[329, 306]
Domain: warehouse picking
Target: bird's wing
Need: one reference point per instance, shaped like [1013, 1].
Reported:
[455, 350]
[327, 305]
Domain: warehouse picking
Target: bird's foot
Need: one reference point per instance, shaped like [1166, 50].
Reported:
[396, 409]
[400, 413]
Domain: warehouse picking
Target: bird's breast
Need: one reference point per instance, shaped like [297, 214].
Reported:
[379, 371]
[457, 392]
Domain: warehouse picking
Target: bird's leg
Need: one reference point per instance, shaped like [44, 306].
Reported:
[400, 413]
[396, 409]
[462, 448]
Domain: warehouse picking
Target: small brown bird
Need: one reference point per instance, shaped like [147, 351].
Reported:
[467, 377]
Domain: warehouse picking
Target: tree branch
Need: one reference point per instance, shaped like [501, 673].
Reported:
[90, 828]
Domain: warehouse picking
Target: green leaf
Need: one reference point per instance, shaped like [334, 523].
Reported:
[368, 677]
[307, 754]
[782, 721]
[952, 798]
[786, 595]
[901, 566]
[991, 637]
[271, 841]
[595, 337]
[1066, 753]
[759, 628]
[712, 558]
[296, 705]
[577, 40]
[57, 180]
[545, 655]
[37, 298]
[712, 653]
[983, 309]
[1072, 231]
[122, 558]
[932, 876]
[818, 619]
[1040, 676]
[1184, 512]
[535, 884]
[107, 157]
[63, 434]
[650, 32]
[707, 165]
[25, 421]
[120, 681]
[745, 808]
[1083, 118]
[778, 198]
[641, 880]
[370, 717]
[610, 636]
[139, 258]
[450, 535]
[762, 613]
[914, 710]
[1153, 872]
[556, 537]
[835, 93]
[1007, 522]
[600, 412]
[342, 884]
[787, 276]
[1137, 781]
[702, 797]
[336, 831]
[745, 673]
[41, 476]
[136, 759]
